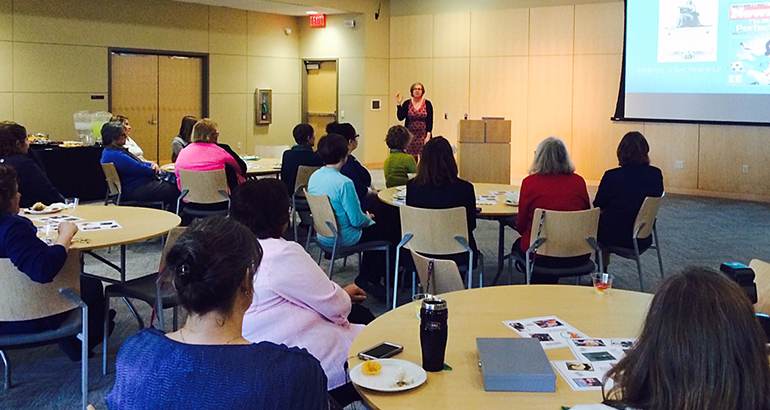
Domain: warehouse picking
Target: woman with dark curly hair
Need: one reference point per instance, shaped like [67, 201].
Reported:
[701, 348]
[207, 364]
[33, 182]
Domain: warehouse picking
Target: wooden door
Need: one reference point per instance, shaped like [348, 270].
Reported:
[155, 92]
[321, 96]
[135, 95]
[179, 94]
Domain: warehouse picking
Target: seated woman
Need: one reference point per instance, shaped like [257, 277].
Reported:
[291, 288]
[33, 182]
[362, 179]
[207, 362]
[437, 186]
[622, 192]
[205, 154]
[552, 184]
[130, 144]
[138, 178]
[354, 225]
[34, 258]
[399, 164]
[701, 348]
[183, 139]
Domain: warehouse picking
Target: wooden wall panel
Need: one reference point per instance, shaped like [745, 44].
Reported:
[724, 150]
[228, 73]
[228, 31]
[551, 30]
[6, 20]
[373, 148]
[499, 88]
[405, 72]
[6, 105]
[179, 94]
[6, 66]
[500, 33]
[451, 35]
[670, 143]
[231, 112]
[599, 28]
[286, 114]
[451, 98]
[267, 37]
[58, 68]
[280, 74]
[352, 75]
[594, 136]
[377, 77]
[411, 37]
[56, 120]
[550, 101]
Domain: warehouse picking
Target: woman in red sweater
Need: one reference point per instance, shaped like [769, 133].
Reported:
[552, 184]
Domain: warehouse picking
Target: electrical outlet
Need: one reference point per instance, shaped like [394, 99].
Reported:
[679, 164]
[342, 114]
[240, 145]
[745, 169]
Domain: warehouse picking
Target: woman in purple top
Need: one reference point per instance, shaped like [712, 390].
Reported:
[207, 364]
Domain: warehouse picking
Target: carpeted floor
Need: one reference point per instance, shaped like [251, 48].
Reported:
[693, 231]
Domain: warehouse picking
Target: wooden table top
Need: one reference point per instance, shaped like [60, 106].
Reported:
[498, 210]
[138, 224]
[479, 313]
[262, 166]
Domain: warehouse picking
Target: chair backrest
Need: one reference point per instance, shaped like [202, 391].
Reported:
[303, 176]
[171, 238]
[204, 187]
[23, 299]
[270, 151]
[762, 279]
[322, 212]
[446, 275]
[645, 219]
[434, 230]
[565, 232]
[112, 178]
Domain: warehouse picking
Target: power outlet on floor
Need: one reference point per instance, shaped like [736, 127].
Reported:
[745, 169]
[679, 164]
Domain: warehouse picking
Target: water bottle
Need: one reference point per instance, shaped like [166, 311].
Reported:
[433, 333]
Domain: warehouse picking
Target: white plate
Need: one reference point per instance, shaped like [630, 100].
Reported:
[510, 203]
[255, 166]
[50, 209]
[399, 195]
[392, 371]
[401, 188]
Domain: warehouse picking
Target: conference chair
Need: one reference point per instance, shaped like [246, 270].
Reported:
[562, 234]
[205, 188]
[325, 224]
[23, 299]
[762, 279]
[437, 276]
[299, 203]
[436, 232]
[144, 288]
[644, 226]
[115, 190]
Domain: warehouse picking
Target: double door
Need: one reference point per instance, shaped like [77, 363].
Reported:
[155, 92]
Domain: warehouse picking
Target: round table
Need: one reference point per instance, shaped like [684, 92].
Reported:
[498, 212]
[479, 313]
[259, 167]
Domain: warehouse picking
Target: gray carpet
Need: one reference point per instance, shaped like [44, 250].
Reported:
[693, 231]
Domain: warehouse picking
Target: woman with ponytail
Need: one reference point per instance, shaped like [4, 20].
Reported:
[207, 364]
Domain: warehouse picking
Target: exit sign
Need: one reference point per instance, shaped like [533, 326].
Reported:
[318, 20]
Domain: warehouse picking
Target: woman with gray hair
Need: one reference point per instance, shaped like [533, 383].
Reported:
[552, 184]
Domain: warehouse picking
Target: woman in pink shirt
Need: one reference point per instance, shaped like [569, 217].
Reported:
[204, 154]
[295, 303]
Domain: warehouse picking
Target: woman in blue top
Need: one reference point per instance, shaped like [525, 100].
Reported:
[354, 224]
[138, 178]
[207, 364]
[34, 258]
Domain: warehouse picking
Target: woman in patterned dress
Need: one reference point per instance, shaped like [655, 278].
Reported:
[418, 113]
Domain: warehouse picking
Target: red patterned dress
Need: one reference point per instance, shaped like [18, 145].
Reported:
[416, 122]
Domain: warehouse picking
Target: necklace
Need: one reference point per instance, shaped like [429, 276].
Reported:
[227, 342]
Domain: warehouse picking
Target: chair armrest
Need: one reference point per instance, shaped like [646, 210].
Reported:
[599, 253]
[71, 295]
[408, 237]
[537, 244]
[299, 190]
[463, 243]
[331, 228]
[224, 194]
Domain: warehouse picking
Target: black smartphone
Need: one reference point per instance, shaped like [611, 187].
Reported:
[381, 351]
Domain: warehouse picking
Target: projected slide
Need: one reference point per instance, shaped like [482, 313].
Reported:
[698, 60]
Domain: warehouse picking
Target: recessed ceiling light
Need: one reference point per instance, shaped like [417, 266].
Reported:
[311, 12]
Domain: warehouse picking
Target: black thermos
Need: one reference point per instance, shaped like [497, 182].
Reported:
[433, 333]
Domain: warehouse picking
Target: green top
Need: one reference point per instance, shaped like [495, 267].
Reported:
[397, 166]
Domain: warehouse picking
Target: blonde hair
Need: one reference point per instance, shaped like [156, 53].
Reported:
[551, 157]
[202, 130]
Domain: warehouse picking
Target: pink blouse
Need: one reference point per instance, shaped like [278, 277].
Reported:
[204, 156]
[296, 304]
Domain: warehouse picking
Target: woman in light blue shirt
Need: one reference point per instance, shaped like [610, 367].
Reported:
[354, 225]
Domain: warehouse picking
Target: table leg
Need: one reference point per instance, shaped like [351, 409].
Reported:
[123, 263]
[500, 251]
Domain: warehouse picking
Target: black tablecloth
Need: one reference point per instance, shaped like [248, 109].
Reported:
[75, 172]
